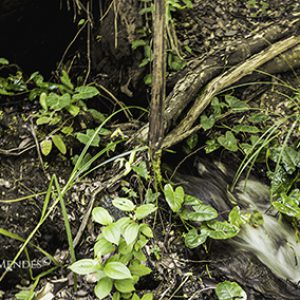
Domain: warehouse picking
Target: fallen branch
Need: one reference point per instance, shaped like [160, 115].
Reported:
[225, 80]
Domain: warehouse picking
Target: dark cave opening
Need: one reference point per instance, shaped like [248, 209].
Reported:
[35, 35]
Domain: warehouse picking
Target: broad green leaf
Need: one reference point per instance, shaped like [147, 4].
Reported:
[117, 270]
[193, 239]
[202, 212]
[174, 198]
[148, 296]
[151, 197]
[124, 248]
[291, 159]
[65, 79]
[73, 110]
[138, 269]
[85, 92]
[84, 138]
[123, 204]
[43, 120]
[191, 200]
[138, 43]
[211, 146]
[258, 118]
[131, 232]
[287, 206]
[46, 147]
[207, 122]
[3, 61]
[144, 210]
[245, 128]
[192, 141]
[146, 230]
[43, 101]
[140, 255]
[141, 170]
[123, 223]
[57, 102]
[236, 104]
[116, 296]
[236, 218]
[124, 286]
[222, 230]
[135, 297]
[103, 247]
[112, 233]
[67, 130]
[256, 218]
[97, 115]
[85, 266]
[230, 291]
[228, 141]
[101, 216]
[59, 143]
[103, 287]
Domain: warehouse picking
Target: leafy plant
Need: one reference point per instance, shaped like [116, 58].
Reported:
[119, 258]
[228, 290]
[201, 219]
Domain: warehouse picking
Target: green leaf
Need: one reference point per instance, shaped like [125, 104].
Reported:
[124, 286]
[228, 141]
[67, 130]
[288, 206]
[84, 138]
[192, 141]
[202, 212]
[258, 118]
[290, 159]
[116, 296]
[144, 210]
[103, 247]
[43, 101]
[101, 216]
[245, 128]
[46, 147]
[117, 270]
[141, 170]
[123, 204]
[97, 116]
[57, 102]
[73, 110]
[43, 120]
[146, 230]
[85, 266]
[4, 61]
[135, 297]
[236, 104]
[138, 269]
[193, 239]
[211, 146]
[103, 287]
[112, 233]
[131, 232]
[59, 143]
[138, 43]
[123, 223]
[148, 296]
[85, 92]
[221, 230]
[174, 198]
[207, 122]
[230, 291]
[65, 79]
[236, 218]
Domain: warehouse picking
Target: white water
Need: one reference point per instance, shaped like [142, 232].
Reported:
[273, 242]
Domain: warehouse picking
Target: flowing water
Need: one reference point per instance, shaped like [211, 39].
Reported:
[272, 243]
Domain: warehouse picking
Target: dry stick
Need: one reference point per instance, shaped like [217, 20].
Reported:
[223, 81]
[156, 119]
